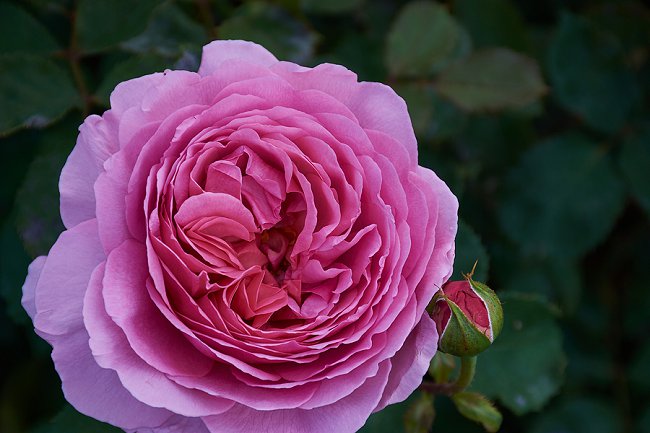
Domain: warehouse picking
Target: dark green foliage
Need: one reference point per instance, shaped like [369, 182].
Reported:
[535, 113]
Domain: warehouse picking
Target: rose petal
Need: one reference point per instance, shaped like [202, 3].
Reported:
[217, 52]
[64, 279]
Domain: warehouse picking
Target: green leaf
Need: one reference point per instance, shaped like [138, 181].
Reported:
[433, 117]
[136, 66]
[495, 142]
[634, 162]
[469, 249]
[423, 39]
[169, 32]
[37, 202]
[558, 281]
[272, 27]
[492, 79]
[639, 378]
[330, 6]
[577, 416]
[13, 269]
[588, 76]
[643, 426]
[524, 366]
[31, 390]
[102, 24]
[629, 21]
[22, 33]
[476, 407]
[71, 421]
[420, 414]
[369, 67]
[492, 23]
[34, 92]
[562, 198]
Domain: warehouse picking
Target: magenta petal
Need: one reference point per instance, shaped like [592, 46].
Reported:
[96, 391]
[177, 424]
[96, 142]
[217, 52]
[345, 416]
[64, 279]
[410, 363]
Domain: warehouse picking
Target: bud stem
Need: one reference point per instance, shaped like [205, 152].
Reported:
[466, 375]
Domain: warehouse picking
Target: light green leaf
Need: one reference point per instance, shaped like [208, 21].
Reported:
[423, 39]
[524, 367]
[477, 408]
[330, 6]
[102, 24]
[34, 92]
[469, 249]
[22, 33]
[71, 421]
[634, 162]
[588, 76]
[562, 198]
[492, 79]
[272, 27]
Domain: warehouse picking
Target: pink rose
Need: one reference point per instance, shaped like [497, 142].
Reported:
[249, 248]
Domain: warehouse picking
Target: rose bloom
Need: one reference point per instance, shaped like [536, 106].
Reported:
[249, 248]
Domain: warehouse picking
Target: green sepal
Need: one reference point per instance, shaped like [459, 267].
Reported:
[461, 337]
[476, 407]
[493, 304]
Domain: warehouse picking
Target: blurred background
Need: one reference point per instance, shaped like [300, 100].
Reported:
[534, 112]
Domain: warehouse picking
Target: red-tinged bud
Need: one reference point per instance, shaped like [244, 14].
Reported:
[468, 315]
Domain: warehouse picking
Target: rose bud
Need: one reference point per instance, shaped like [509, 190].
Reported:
[468, 315]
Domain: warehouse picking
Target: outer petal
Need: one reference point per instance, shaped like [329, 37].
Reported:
[411, 363]
[177, 424]
[64, 279]
[217, 52]
[29, 287]
[95, 391]
[96, 142]
[345, 416]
